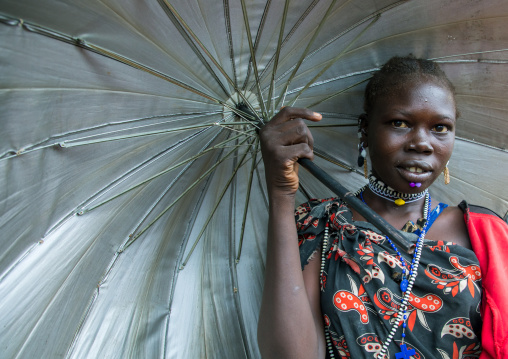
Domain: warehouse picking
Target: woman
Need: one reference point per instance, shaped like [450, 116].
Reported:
[358, 295]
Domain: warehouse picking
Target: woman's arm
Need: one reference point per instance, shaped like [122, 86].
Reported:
[290, 324]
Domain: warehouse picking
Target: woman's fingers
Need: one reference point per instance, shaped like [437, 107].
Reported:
[288, 127]
[284, 140]
[302, 150]
[291, 113]
[287, 133]
[290, 139]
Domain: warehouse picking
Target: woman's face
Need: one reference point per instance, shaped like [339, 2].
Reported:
[410, 134]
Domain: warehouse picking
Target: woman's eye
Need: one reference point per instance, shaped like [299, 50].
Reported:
[441, 128]
[399, 123]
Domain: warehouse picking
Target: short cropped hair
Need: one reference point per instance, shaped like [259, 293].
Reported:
[399, 70]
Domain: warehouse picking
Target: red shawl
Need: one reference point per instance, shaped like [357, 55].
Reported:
[489, 239]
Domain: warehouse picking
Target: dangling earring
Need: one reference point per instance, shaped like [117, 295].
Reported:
[446, 174]
[362, 159]
[362, 156]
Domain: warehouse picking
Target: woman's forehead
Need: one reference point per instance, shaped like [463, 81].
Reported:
[416, 94]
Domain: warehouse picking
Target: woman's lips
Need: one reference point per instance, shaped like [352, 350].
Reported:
[415, 172]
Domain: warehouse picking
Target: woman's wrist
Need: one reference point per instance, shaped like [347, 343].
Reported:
[278, 198]
[282, 208]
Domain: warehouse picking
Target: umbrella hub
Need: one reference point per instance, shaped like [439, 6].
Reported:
[244, 101]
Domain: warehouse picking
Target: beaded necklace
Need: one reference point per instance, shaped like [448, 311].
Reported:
[386, 192]
[406, 285]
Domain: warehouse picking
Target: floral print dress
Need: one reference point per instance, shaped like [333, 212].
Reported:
[360, 291]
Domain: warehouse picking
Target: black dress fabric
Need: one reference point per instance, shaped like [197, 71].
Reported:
[360, 290]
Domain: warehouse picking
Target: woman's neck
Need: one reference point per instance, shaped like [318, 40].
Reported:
[394, 214]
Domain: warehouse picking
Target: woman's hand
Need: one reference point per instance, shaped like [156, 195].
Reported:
[284, 140]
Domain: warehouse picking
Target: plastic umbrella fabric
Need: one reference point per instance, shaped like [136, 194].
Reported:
[132, 200]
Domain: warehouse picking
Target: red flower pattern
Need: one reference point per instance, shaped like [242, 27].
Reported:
[456, 280]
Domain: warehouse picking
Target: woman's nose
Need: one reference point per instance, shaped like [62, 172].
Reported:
[420, 141]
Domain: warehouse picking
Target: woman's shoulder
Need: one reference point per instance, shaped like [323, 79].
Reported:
[468, 208]
[315, 209]
[460, 224]
[451, 225]
[484, 225]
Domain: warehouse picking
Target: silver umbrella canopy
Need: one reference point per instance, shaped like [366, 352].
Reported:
[132, 196]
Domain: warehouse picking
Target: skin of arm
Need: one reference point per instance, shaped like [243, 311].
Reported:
[290, 323]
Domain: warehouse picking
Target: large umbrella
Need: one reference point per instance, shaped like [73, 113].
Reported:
[133, 208]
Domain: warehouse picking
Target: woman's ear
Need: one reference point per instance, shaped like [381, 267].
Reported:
[363, 124]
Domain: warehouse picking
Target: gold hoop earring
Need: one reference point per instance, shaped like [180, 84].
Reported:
[446, 174]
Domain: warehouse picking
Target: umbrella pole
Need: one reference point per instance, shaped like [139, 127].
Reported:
[347, 196]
